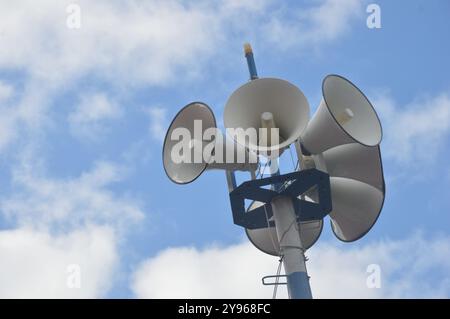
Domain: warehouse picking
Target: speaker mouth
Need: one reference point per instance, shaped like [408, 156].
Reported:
[169, 166]
[341, 96]
[383, 191]
[355, 161]
[285, 101]
[373, 222]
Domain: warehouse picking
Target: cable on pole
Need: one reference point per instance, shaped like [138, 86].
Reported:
[277, 280]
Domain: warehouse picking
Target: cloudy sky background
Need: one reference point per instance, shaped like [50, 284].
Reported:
[83, 113]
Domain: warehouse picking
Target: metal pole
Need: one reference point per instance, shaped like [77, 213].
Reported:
[291, 248]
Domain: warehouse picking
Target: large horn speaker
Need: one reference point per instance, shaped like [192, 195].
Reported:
[194, 121]
[267, 103]
[356, 207]
[344, 116]
[357, 188]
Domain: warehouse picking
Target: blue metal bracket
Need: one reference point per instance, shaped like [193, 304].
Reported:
[300, 182]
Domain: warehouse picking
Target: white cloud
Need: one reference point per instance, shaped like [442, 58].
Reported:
[412, 268]
[91, 114]
[312, 26]
[69, 203]
[34, 264]
[26, 116]
[60, 222]
[125, 44]
[158, 122]
[415, 134]
[7, 127]
[6, 91]
[7, 114]
[121, 41]
[332, 18]
[152, 41]
[215, 272]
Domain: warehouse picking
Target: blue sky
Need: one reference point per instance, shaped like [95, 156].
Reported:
[83, 112]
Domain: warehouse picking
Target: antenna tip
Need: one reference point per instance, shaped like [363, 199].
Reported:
[247, 48]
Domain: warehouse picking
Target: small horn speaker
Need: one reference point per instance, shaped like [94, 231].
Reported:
[344, 116]
[202, 155]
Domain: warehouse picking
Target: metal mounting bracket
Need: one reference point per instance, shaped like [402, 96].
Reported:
[296, 184]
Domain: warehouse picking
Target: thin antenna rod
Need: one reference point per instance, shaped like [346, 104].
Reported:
[250, 61]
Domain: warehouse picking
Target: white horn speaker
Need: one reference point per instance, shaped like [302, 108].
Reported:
[266, 240]
[357, 188]
[344, 116]
[356, 207]
[193, 144]
[267, 103]
[357, 162]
